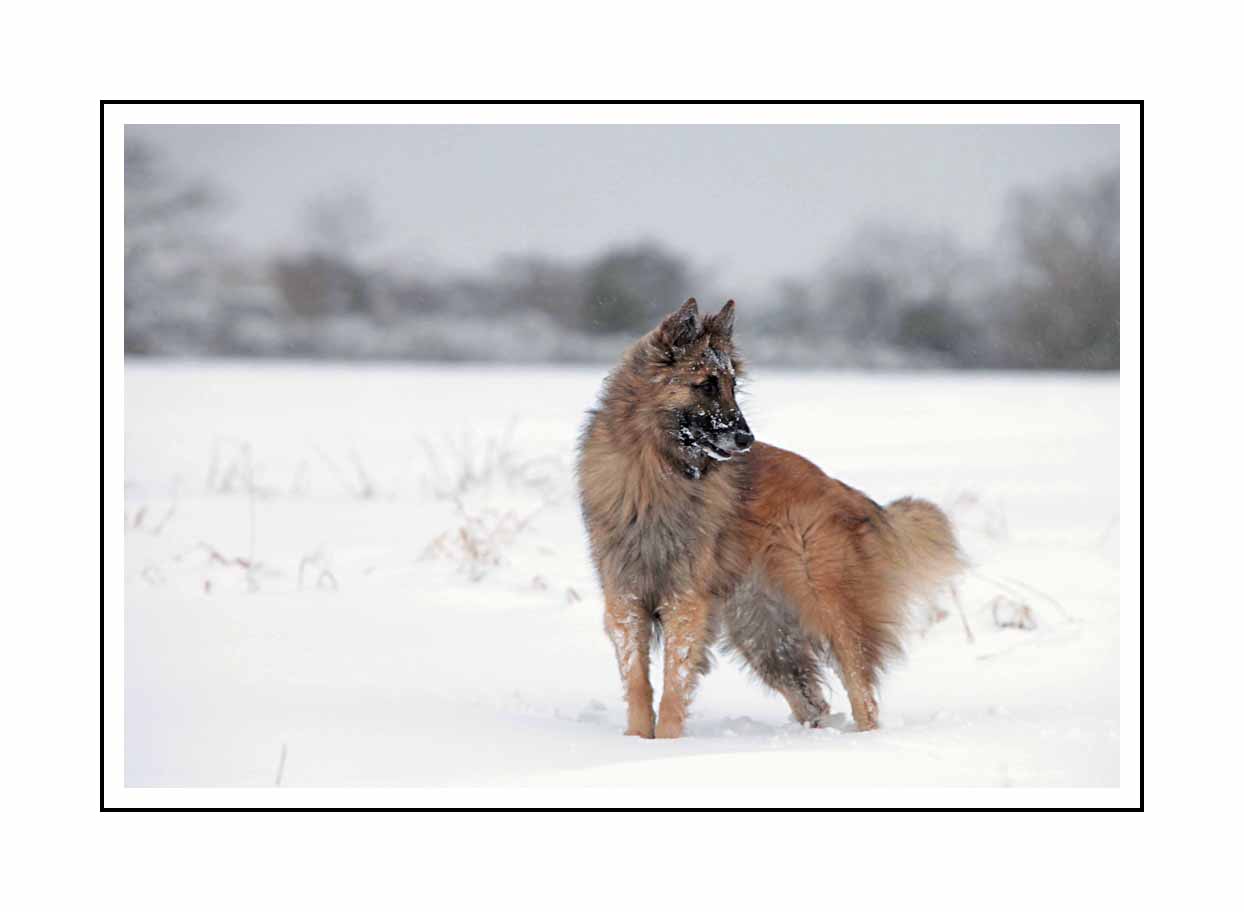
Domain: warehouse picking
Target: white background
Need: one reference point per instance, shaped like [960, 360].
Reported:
[58, 72]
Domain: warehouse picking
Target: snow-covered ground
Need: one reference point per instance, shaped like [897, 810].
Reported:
[373, 575]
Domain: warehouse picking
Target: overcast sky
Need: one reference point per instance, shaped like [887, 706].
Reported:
[748, 203]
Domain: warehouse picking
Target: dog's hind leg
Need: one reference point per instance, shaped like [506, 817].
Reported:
[830, 578]
[765, 632]
[795, 672]
[833, 619]
[859, 676]
[630, 629]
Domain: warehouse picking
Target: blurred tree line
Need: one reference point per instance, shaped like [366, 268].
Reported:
[1045, 295]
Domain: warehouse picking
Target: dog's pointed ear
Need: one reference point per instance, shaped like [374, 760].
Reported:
[682, 326]
[722, 322]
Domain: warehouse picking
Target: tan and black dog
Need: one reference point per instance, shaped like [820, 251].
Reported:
[699, 532]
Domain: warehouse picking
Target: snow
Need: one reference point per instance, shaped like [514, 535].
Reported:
[377, 575]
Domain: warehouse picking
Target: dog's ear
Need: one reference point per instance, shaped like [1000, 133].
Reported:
[681, 327]
[722, 323]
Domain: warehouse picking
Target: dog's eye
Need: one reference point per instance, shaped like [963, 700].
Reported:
[708, 387]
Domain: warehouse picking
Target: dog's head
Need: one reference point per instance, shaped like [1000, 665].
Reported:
[694, 371]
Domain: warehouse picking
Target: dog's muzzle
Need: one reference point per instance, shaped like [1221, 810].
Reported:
[720, 437]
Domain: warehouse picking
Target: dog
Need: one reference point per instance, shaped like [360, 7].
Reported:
[700, 534]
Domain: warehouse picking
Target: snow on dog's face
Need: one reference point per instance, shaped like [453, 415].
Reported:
[694, 362]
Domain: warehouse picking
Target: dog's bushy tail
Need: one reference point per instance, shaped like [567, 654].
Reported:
[925, 553]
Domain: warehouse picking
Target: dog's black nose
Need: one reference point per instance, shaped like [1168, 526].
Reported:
[743, 439]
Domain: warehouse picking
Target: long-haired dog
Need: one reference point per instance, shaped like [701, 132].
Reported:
[699, 532]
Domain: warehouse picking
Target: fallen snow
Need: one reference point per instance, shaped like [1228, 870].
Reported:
[377, 576]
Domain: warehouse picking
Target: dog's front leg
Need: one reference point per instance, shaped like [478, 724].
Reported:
[630, 629]
[685, 628]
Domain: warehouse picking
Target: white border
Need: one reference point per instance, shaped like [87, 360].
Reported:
[623, 113]
[1126, 116]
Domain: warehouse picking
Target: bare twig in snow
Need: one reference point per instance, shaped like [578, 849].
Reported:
[954, 594]
[168, 514]
[1009, 613]
[1037, 592]
[223, 472]
[250, 497]
[1009, 587]
[218, 558]
[367, 488]
[364, 489]
[477, 544]
[471, 467]
[325, 579]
